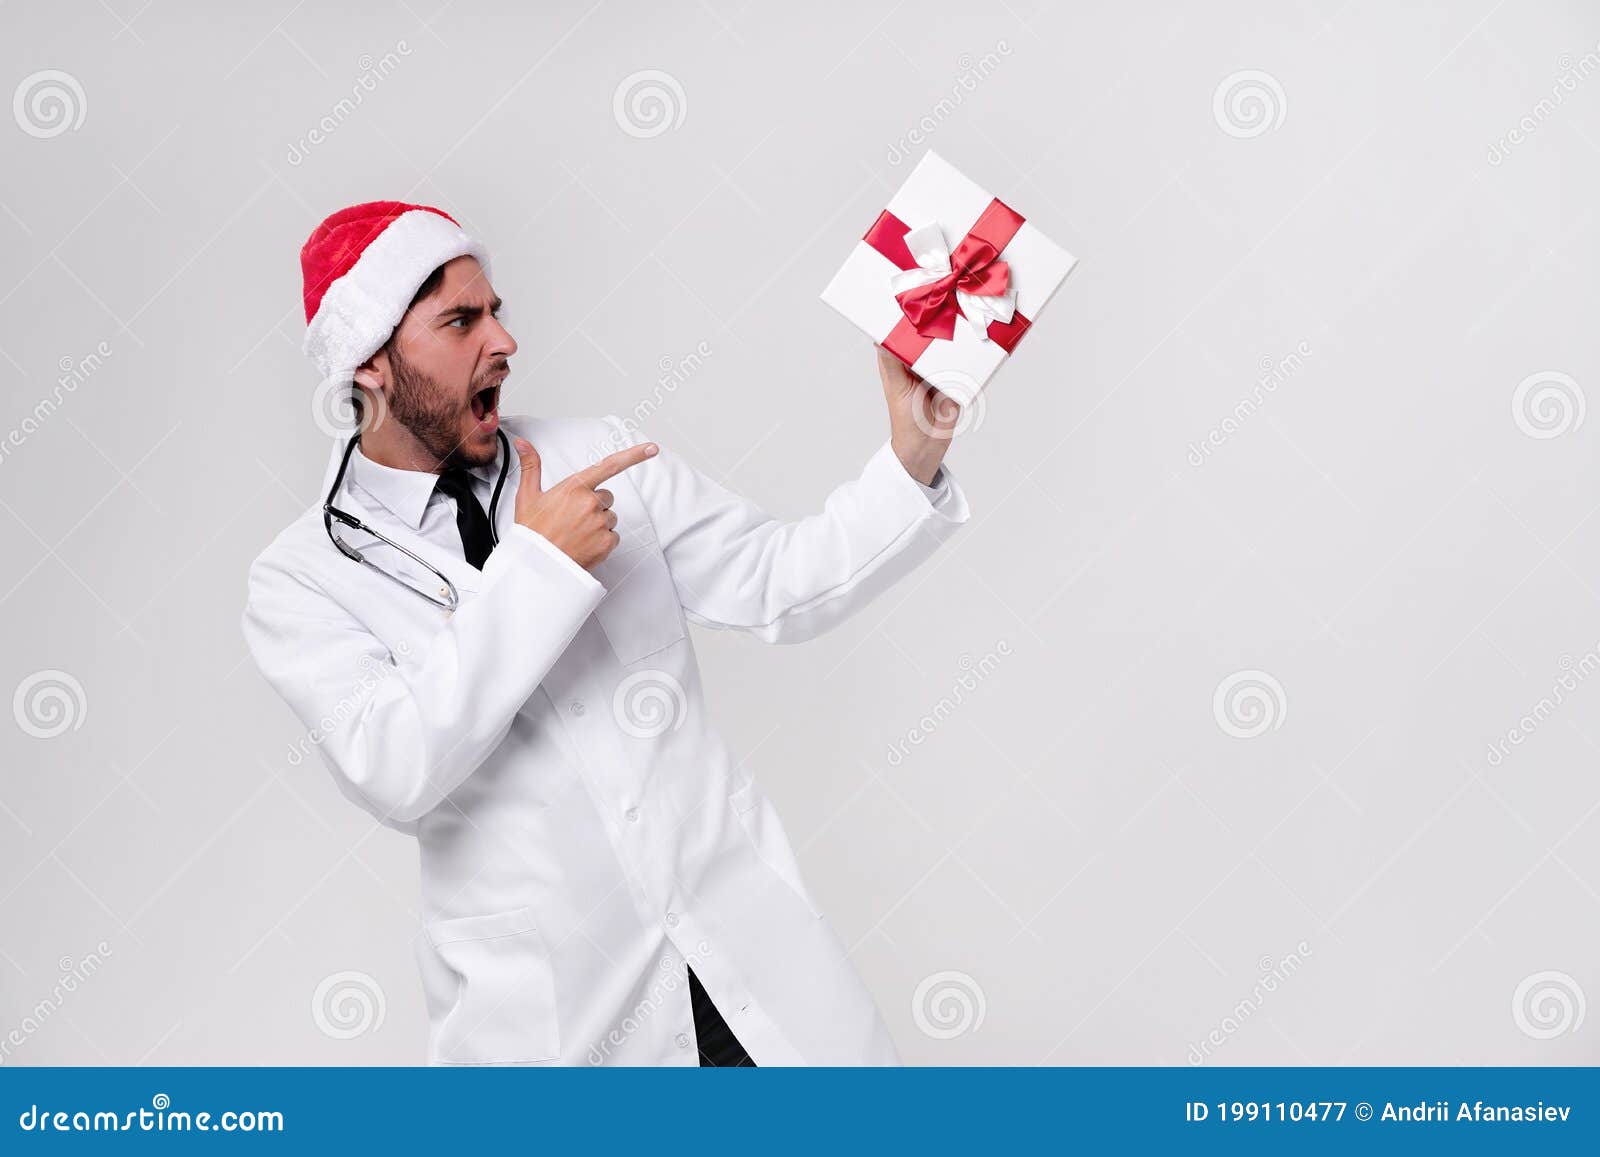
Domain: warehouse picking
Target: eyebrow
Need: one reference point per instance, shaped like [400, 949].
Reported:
[467, 311]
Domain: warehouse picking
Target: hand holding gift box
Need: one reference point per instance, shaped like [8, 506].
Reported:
[948, 279]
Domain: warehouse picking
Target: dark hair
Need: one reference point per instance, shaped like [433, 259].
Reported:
[429, 284]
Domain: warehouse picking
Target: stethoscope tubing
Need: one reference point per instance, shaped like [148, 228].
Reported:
[449, 598]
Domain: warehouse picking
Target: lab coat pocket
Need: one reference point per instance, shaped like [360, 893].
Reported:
[505, 1000]
[759, 818]
[640, 613]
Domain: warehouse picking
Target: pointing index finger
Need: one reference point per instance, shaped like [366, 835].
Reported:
[614, 464]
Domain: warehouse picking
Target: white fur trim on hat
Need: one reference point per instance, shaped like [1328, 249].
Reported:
[359, 311]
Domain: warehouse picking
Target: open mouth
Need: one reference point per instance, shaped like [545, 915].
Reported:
[484, 403]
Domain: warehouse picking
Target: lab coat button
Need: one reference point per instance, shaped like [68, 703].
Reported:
[672, 919]
[682, 1040]
[577, 707]
[632, 814]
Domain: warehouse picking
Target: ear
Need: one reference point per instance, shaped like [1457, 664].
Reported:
[373, 374]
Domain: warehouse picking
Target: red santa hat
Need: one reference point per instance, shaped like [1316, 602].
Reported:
[362, 266]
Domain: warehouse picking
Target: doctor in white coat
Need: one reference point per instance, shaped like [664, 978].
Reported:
[484, 630]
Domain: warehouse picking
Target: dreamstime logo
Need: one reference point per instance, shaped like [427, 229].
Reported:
[1573, 672]
[337, 413]
[662, 986]
[1274, 972]
[74, 372]
[1249, 103]
[1547, 1005]
[971, 73]
[948, 1004]
[1249, 703]
[1547, 404]
[72, 974]
[1566, 82]
[674, 373]
[372, 71]
[48, 704]
[156, 1119]
[958, 407]
[347, 1005]
[649, 703]
[1273, 375]
[649, 103]
[973, 672]
[49, 103]
[372, 672]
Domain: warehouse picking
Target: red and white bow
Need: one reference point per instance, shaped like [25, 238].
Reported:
[972, 281]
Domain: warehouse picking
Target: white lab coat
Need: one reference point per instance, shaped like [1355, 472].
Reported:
[584, 830]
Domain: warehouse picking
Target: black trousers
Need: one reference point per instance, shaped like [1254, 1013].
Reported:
[718, 1046]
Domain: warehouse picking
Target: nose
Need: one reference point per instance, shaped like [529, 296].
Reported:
[501, 343]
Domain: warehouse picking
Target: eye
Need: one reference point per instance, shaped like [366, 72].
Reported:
[458, 321]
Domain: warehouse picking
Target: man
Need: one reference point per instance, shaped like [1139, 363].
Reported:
[512, 681]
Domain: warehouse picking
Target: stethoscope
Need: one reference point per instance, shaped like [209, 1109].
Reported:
[331, 513]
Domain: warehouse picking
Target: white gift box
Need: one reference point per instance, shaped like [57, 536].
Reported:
[939, 214]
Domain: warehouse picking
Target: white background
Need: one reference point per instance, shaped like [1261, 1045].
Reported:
[1078, 863]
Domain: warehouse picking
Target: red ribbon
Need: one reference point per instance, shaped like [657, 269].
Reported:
[975, 267]
[929, 311]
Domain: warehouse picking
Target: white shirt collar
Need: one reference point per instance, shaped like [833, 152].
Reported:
[406, 493]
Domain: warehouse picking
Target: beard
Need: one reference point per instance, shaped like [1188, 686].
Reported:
[419, 403]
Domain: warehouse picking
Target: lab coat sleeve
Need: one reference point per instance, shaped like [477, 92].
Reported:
[400, 733]
[737, 567]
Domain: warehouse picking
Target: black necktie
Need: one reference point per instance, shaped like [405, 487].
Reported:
[476, 539]
[719, 1048]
